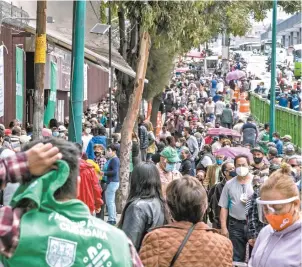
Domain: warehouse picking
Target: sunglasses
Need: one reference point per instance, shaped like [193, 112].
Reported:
[293, 165]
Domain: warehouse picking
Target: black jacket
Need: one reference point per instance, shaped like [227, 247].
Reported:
[140, 216]
[214, 209]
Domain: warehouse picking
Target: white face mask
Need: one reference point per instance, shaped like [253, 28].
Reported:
[88, 130]
[242, 171]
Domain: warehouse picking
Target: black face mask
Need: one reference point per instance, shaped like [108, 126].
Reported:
[98, 154]
[233, 173]
[257, 160]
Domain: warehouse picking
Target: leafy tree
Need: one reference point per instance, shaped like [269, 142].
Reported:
[175, 27]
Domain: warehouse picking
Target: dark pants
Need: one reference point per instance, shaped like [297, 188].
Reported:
[101, 215]
[144, 154]
[238, 236]
[149, 156]
[227, 125]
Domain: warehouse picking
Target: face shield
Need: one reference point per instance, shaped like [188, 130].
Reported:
[266, 207]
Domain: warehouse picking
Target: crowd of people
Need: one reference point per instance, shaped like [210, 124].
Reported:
[210, 189]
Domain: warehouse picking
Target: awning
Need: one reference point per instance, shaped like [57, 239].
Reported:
[55, 37]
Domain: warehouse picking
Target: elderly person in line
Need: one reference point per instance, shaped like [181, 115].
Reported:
[187, 241]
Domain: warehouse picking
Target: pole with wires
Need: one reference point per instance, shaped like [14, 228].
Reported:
[77, 73]
[272, 123]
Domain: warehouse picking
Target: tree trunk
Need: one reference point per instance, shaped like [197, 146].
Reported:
[155, 109]
[40, 60]
[129, 122]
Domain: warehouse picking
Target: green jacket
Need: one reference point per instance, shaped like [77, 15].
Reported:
[227, 116]
[60, 234]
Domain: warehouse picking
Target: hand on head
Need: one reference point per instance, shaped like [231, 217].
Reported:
[41, 158]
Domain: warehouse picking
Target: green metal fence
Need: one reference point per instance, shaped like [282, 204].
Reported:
[287, 121]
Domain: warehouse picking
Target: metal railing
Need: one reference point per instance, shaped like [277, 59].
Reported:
[288, 121]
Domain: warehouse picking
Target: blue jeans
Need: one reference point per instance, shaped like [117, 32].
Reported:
[213, 92]
[110, 200]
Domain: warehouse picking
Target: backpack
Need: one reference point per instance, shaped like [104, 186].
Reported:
[295, 103]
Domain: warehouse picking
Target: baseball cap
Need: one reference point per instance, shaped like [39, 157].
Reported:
[257, 149]
[170, 154]
[287, 136]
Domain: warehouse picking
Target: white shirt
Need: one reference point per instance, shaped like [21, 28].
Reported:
[209, 107]
[216, 146]
[220, 87]
[219, 105]
[238, 127]
[289, 75]
[86, 139]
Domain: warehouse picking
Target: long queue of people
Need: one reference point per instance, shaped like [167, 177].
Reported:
[199, 195]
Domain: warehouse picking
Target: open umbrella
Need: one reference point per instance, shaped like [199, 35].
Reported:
[223, 131]
[181, 70]
[232, 152]
[235, 75]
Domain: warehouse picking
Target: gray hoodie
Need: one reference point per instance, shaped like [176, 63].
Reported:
[278, 249]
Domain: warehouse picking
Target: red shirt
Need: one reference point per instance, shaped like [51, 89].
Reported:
[208, 140]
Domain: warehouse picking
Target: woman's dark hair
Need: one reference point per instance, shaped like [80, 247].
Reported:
[187, 199]
[53, 123]
[145, 184]
[171, 141]
[207, 148]
[11, 124]
[113, 147]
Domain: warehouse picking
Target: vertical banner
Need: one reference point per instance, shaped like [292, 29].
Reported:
[1, 82]
[19, 84]
[85, 97]
[52, 99]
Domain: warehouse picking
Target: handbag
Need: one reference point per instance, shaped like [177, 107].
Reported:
[183, 243]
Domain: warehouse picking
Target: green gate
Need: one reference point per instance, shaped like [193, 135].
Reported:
[287, 121]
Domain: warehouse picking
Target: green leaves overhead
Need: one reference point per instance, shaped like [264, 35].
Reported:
[177, 26]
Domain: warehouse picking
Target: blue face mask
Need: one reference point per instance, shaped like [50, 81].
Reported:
[55, 134]
[219, 161]
[170, 167]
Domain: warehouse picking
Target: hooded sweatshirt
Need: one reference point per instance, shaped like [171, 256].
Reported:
[89, 191]
[278, 249]
[95, 140]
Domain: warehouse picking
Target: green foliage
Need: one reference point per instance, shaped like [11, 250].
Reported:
[160, 67]
[177, 26]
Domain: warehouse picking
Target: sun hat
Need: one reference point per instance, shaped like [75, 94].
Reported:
[170, 154]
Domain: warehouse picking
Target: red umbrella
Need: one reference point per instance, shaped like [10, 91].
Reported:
[195, 54]
[232, 152]
[182, 69]
[223, 131]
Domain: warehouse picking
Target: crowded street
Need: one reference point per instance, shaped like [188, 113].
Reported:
[144, 142]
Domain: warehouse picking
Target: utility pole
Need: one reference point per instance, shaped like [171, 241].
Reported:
[77, 72]
[110, 73]
[40, 60]
[272, 122]
[225, 53]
